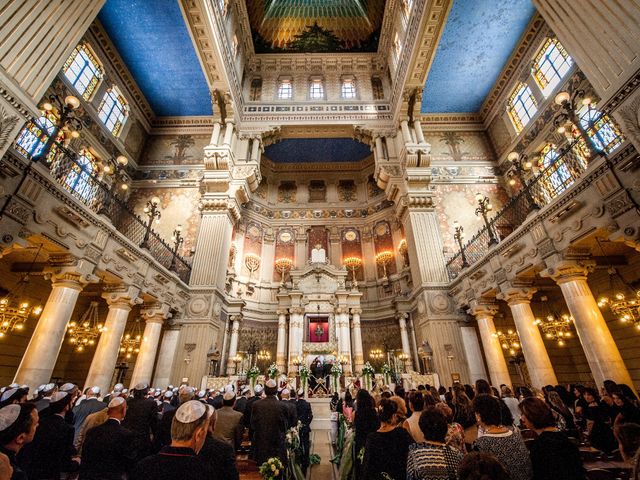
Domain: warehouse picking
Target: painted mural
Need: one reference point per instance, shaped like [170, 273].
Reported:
[175, 149]
[460, 146]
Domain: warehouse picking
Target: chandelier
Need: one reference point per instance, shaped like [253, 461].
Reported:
[264, 355]
[509, 341]
[131, 341]
[624, 302]
[84, 333]
[14, 309]
[554, 327]
[353, 264]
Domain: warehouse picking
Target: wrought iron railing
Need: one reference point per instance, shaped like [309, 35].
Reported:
[545, 186]
[81, 182]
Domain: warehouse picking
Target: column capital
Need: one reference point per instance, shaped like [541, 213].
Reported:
[236, 317]
[569, 270]
[341, 310]
[67, 272]
[356, 311]
[156, 313]
[478, 309]
[515, 296]
[400, 316]
[281, 311]
[296, 310]
[122, 296]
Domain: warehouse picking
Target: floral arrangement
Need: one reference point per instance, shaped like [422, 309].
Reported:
[252, 375]
[336, 371]
[272, 371]
[294, 453]
[272, 469]
[386, 370]
[367, 374]
[304, 373]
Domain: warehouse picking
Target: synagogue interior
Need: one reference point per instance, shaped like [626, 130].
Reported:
[332, 194]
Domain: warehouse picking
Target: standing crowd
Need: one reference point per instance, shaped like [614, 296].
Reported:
[62, 432]
[482, 433]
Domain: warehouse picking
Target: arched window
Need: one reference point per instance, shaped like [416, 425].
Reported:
[348, 88]
[316, 89]
[551, 65]
[113, 110]
[601, 130]
[285, 89]
[558, 173]
[79, 181]
[522, 106]
[83, 70]
[34, 135]
[255, 92]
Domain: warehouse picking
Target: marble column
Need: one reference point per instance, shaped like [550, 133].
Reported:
[42, 352]
[473, 354]
[597, 342]
[344, 337]
[535, 353]
[215, 135]
[233, 343]
[154, 318]
[228, 133]
[106, 355]
[166, 357]
[419, 133]
[404, 336]
[378, 148]
[424, 243]
[214, 243]
[406, 134]
[358, 351]
[296, 321]
[281, 348]
[498, 371]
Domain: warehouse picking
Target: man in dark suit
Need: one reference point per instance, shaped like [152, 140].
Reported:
[108, 451]
[305, 416]
[292, 414]
[52, 451]
[269, 419]
[218, 455]
[258, 389]
[185, 394]
[142, 420]
[82, 410]
[18, 424]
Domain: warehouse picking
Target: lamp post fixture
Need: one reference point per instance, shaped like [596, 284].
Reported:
[459, 236]
[484, 207]
[152, 210]
[118, 172]
[177, 240]
[568, 117]
[63, 111]
[521, 164]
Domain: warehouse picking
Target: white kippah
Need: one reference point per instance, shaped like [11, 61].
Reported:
[49, 386]
[258, 389]
[95, 390]
[116, 402]
[244, 390]
[228, 396]
[7, 394]
[118, 387]
[40, 388]
[8, 416]
[286, 391]
[271, 383]
[125, 390]
[301, 392]
[14, 385]
[229, 388]
[190, 411]
[67, 387]
[201, 393]
[168, 394]
[56, 397]
[141, 386]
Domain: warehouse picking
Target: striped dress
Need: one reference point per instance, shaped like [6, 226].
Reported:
[432, 462]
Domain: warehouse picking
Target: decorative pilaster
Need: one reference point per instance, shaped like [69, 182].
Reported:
[535, 354]
[404, 336]
[167, 356]
[473, 354]
[233, 343]
[106, 355]
[154, 317]
[281, 348]
[498, 371]
[358, 351]
[597, 342]
[42, 352]
[344, 336]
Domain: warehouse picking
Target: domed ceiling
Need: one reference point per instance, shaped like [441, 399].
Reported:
[309, 26]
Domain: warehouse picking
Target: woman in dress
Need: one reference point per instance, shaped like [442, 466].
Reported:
[599, 428]
[365, 421]
[416, 402]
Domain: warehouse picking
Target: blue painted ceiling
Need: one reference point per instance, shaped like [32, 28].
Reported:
[477, 41]
[153, 41]
[317, 150]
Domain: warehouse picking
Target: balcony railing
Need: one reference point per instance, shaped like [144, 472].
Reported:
[548, 184]
[83, 184]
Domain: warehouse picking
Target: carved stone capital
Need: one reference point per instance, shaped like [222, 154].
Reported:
[569, 270]
[356, 311]
[515, 296]
[235, 318]
[482, 309]
[122, 296]
[158, 313]
[296, 310]
[281, 311]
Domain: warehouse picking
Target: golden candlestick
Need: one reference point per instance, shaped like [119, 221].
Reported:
[383, 258]
[353, 263]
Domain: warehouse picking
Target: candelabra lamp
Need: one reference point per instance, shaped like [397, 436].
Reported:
[509, 341]
[404, 358]
[353, 264]
[624, 301]
[177, 240]
[458, 235]
[61, 112]
[554, 327]
[484, 207]
[521, 165]
[567, 117]
[382, 259]
[85, 332]
[252, 262]
[116, 169]
[376, 355]
[283, 265]
[152, 211]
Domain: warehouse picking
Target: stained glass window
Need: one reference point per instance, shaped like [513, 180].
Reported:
[316, 89]
[83, 70]
[348, 88]
[551, 65]
[522, 106]
[285, 90]
[559, 171]
[604, 134]
[34, 136]
[113, 110]
[78, 181]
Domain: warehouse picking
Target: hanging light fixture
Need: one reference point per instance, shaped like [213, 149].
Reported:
[624, 301]
[131, 341]
[509, 341]
[84, 333]
[15, 309]
[555, 327]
